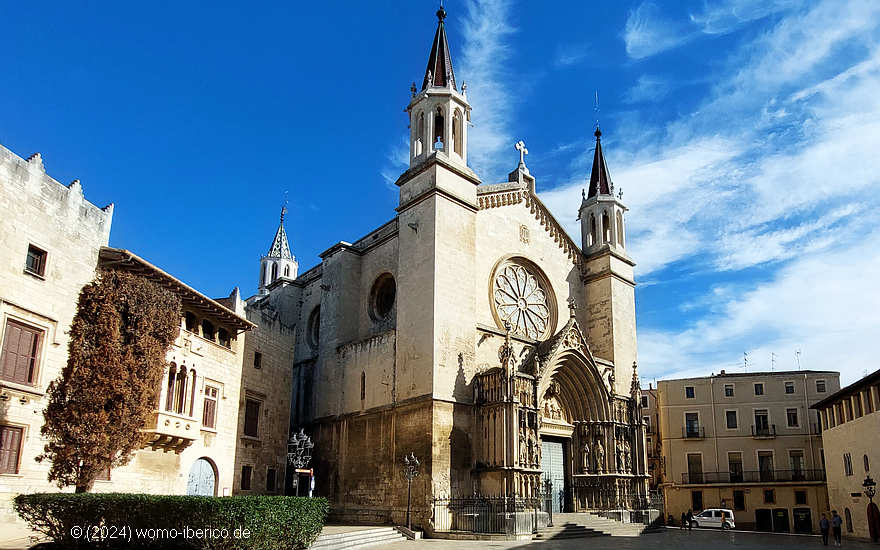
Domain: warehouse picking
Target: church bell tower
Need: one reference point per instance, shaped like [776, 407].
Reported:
[278, 262]
[608, 274]
[438, 113]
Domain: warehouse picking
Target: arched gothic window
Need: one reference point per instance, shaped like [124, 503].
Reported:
[606, 228]
[363, 385]
[180, 391]
[594, 235]
[420, 135]
[457, 138]
[192, 399]
[274, 271]
[439, 140]
[169, 392]
[287, 271]
[620, 229]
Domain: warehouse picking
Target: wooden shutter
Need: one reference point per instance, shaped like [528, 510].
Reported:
[10, 447]
[21, 346]
[251, 417]
[208, 415]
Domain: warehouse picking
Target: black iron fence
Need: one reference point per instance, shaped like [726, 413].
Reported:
[510, 515]
[693, 432]
[764, 431]
[752, 476]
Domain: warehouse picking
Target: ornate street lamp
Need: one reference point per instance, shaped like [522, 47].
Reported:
[299, 454]
[870, 488]
[410, 472]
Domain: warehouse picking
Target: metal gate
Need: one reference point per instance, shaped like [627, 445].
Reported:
[553, 466]
[201, 478]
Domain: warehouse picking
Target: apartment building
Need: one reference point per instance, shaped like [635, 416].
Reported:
[749, 442]
[651, 420]
[851, 437]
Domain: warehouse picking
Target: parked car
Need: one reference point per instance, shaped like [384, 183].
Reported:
[715, 517]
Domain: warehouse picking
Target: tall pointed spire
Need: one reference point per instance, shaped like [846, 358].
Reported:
[439, 70]
[600, 181]
[280, 247]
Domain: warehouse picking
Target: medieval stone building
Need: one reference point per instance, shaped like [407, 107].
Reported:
[472, 331]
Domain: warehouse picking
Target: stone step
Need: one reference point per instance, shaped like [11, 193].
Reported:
[357, 539]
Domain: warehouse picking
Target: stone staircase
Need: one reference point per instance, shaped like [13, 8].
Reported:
[357, 539]
[590, 525]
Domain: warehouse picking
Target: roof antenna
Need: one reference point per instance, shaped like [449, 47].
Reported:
[284, 207]
[596, 109]
[797, 356]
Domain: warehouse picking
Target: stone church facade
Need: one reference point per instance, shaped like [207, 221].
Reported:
[472, 331]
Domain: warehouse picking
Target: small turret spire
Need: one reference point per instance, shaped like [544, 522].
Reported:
[280, 247]
[600, 181]
[439, 70]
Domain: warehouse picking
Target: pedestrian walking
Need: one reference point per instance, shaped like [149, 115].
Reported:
[836, 522]
[690, 520]
[683, 520]
[824, 526]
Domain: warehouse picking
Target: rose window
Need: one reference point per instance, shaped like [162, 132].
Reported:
[520, 301]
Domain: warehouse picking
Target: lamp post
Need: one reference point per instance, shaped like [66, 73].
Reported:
[870, 488]
[410, 472]
[299, 454]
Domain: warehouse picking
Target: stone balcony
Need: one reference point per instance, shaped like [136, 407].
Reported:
[170, 432]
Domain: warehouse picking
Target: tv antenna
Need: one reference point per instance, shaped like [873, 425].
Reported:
[746, 361]
[797, 357]
[772, 361]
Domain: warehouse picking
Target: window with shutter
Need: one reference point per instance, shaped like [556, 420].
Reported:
[21, 347]
[209, 414]
[10, 448]
[251, 417]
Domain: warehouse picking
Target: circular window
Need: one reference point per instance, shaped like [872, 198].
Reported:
[520, 297]
[314, 327]
[382, 297]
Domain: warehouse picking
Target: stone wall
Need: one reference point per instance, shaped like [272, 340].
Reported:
[37, 210]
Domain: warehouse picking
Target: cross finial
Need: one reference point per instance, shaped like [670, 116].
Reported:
[620, 194]
[521, 147]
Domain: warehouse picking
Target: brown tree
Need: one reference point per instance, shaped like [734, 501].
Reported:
[123, 328]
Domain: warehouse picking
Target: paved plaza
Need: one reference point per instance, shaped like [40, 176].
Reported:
[668, 539]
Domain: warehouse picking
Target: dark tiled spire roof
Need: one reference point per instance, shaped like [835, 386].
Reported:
[600, 181]
[439, 70]
[280, 247]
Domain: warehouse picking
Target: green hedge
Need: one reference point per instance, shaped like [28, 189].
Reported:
[126, 520]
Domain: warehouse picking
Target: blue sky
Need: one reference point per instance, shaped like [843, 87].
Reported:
[744, 133]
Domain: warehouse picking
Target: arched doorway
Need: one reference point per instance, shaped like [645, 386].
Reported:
[202, 478]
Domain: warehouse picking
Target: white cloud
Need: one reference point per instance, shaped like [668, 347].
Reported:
[571, 54]
[487, 33]
[648, 88]
[822, 304]
[648, 33]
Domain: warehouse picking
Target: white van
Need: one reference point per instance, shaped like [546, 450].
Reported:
[715, 517]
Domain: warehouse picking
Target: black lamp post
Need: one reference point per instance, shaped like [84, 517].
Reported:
[410, 472]
[870, 488]
[299, 454]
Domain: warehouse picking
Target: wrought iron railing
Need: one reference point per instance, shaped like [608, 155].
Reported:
[764, 431]
[752, 476]
[693, 432]
[510, 515]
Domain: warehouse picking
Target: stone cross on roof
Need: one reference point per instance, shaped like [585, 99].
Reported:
[521, 147]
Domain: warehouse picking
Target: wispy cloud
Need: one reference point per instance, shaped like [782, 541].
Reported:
[775, 169]
[648, 32]
[570, 54]
[397, 161]
[487, 32]
[648, 88]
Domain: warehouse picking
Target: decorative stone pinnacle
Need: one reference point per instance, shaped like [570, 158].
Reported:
[413, 89]
[441, 13]
[572, 306]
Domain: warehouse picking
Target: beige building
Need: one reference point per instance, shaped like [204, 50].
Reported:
[748, 442]
[50, 236]
[850, 420]
[471, 331]
[653, 440]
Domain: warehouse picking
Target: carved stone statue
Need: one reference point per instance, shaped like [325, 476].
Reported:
[619, 455]
[586, 458]
[600, 457]
[627, 456]
[523, 449]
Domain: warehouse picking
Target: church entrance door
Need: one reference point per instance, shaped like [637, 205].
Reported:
[201, 479]
[553, 468]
